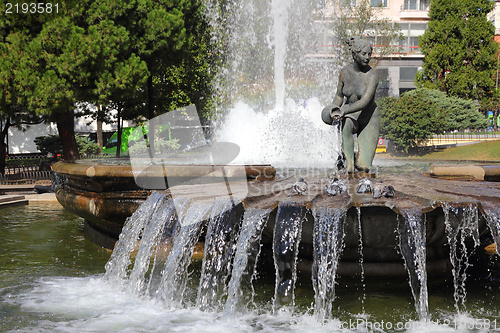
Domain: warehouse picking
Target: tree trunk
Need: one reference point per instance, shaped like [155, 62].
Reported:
[66, 128]
[151, 108]
[100, 141]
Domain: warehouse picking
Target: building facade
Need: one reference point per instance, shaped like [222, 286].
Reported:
[412, 16]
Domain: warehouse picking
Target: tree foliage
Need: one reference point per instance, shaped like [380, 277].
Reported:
[410, 120]
[164, 36]
[417, 114]
[459, 113]
[460, 53]
[112, 54]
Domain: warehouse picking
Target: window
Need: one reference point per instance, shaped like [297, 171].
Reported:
[411, 32]
[384, 83]
[407, 73]
[414, 45]
[378, 3]
[416, 5]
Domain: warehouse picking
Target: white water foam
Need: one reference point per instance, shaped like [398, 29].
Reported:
[93, 304]
[293, 137]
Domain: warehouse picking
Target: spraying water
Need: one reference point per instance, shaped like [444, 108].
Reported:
[279, 12]
[271, 88]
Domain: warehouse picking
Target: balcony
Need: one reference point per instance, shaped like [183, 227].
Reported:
[414, 15]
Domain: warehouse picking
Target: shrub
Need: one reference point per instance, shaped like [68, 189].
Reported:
[87, 147]
[410, 120]
[52, 144]
[459, 113]
[161, 146]
[49, 144]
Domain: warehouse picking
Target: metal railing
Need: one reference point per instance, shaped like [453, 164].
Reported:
[26, 169]
[461, 136]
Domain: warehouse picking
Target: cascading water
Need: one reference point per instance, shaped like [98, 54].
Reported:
[361, 257]
[117, 266]
[461, 224]
[240, 289]
[159, 229]
[172, 284]
[287, 233]
[413, 248]
[219, 245]
[328, 245]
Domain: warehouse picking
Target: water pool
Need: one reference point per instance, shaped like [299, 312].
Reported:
[52, 280]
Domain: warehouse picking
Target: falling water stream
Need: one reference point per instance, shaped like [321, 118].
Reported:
[328, 245]
[240, 289]
[493, 220]
[413, 248]
[173, 278]
[219, 249]
[287, 233]
[461, 224]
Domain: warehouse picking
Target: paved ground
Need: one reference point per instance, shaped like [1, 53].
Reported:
[23, 195]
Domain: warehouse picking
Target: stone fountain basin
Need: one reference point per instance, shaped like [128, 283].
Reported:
[106, 195]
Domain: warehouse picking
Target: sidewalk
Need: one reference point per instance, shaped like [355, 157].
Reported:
[23, 195]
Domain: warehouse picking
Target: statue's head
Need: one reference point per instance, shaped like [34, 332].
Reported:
[358, 45]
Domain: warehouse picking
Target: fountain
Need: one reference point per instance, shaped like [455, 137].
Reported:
[252, 219]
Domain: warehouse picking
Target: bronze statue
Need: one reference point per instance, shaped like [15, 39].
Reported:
[359, 114]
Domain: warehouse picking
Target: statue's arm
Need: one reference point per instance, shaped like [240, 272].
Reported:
[338, 99]
[366, 99]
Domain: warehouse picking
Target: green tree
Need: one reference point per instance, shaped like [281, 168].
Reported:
[49, 57]
[15, 29]
[410, 120]
[105, 53]
[157, 33]
[168, 41]
[460, 53]
[459, 113]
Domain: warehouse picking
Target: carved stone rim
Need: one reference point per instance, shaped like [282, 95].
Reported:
[265, 171]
